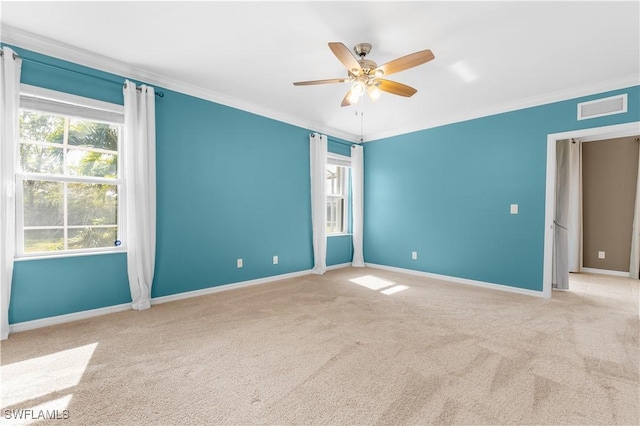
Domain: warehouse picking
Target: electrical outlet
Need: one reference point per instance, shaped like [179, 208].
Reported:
[239, 262]
[275, 260]
[414, 255]
[600, 255]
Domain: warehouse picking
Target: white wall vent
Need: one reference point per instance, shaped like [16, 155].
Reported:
[601, 107]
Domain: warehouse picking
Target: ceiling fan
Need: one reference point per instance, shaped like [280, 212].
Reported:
[366, 75]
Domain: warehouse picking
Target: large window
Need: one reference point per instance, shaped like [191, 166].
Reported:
[337, 191]
[69, 184]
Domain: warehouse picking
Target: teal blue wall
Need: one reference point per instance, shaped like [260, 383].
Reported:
[230, 185]
[339, 146]
[445, 193]
[50, 287]
[339, 250]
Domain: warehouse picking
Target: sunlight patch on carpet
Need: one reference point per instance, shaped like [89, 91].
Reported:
[372, 282]
[395, 289]
[37, 377]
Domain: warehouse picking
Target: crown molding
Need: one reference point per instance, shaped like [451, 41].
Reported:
[66, 52]
[547, 98]
[49, 47]
[46, 46]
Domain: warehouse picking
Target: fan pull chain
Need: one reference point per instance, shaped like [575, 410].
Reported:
[361, 125]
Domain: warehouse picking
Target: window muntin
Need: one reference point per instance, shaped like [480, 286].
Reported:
[69, 187]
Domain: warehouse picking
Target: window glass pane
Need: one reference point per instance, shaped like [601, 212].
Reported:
[80, 238]
[41, 127]
[335, 206]
[67, 215]
[332, 179]
[91, 163]
[92, 204]
[43, 203]
[38, 240]
[41, 159]
[92, 134]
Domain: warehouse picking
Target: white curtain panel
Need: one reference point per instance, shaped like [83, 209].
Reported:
[9, 135]
[560, 278]
[357, 186]
[140, 174]
[634, 262]
[318, 170]
[574, 220]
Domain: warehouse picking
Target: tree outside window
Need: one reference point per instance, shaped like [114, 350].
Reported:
[69, 183]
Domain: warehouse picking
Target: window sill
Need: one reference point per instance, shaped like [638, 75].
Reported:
[64, 255]
[344, 234]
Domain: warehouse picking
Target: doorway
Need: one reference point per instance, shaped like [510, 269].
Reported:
[609, 178]
[606, 132]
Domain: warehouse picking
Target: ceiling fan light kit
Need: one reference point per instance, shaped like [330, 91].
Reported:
[374, 92]
[366, 74]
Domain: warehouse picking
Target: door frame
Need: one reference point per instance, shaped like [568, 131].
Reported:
[605, 132]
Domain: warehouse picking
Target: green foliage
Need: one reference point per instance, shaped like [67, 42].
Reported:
[92, 237]
[43, 150]
[43, 203]
[93, 134]
[39, 127]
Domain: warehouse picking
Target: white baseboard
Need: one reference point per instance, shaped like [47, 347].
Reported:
[225, 287]
[338, 266]
[465, 281]
[61, 319]
[75, 316]
[606, 272]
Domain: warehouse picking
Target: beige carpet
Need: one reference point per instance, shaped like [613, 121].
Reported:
[327, 350]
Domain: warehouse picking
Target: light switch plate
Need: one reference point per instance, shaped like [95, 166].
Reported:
[514, 209]
[239, 262]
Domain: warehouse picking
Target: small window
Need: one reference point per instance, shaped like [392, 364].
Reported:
[69, 183]
[337, 191]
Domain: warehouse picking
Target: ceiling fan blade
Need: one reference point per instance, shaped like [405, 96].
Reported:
[330, 80]
[345, 56]
[406, 62]
[395, 88]
[347, 99]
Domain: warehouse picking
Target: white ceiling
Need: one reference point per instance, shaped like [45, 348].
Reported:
[248, 54]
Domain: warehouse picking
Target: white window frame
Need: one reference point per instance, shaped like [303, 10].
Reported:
[342, 161]
[50, 101]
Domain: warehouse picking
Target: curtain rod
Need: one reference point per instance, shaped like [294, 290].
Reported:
[158, 94]
[342, 142]
[339, 141]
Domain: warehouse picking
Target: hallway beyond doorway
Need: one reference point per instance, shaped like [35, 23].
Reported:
[607, 290]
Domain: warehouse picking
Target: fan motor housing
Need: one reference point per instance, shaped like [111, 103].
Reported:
[362, 49]
[367, 65]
